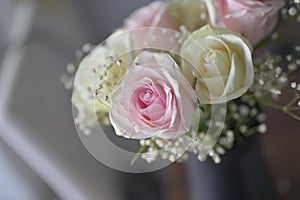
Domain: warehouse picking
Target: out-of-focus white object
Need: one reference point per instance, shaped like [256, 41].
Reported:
[18, 181]
[35, 112]
[22, 13]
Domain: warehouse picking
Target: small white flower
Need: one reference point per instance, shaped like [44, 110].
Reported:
[293, 85]
[262, 128]
[150, 156]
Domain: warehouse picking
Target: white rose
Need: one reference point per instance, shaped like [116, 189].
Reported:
[86, 80]
[222, 67]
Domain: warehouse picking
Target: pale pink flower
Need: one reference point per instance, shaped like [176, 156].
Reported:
[147, 24]
[153, 100]
[156, 14]
[255, 19]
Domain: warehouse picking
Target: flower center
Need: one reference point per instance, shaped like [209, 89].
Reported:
[208, 56]
[146, 97]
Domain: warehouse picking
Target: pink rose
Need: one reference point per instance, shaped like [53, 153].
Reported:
[155, 14]
[255, 19]
[153, 99]
[141, 22]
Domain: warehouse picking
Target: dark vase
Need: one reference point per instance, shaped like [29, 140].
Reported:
[242, 175]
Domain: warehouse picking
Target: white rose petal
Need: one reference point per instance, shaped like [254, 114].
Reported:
[219, 63]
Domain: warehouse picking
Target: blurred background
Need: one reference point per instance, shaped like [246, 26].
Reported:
[41, 156]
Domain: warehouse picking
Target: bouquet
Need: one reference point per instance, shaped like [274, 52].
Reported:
[187, 77]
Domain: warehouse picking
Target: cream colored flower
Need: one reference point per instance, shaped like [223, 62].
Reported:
[218, 63]
[96, 68]
[192, 14]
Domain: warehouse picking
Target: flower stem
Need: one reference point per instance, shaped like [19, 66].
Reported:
[295, 108]
[137, 155]
[285, 109]
[271, 104]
